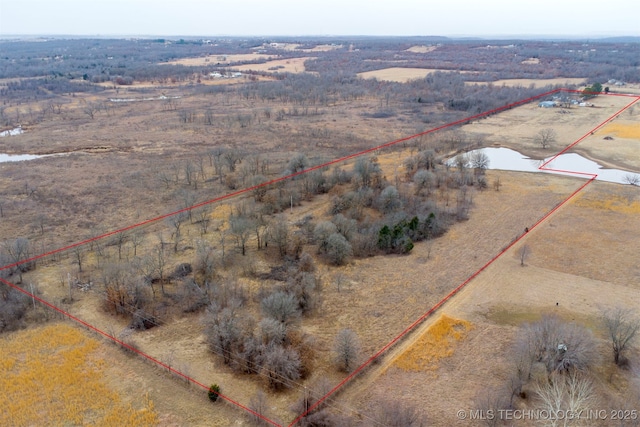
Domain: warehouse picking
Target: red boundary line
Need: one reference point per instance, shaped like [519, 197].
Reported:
[283, 178]
[474, 275]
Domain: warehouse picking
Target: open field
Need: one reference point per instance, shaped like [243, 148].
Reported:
[401, 75]
[422, 49]
[182, 286]
[291, 65]
[57, 375]
[532, 82]
[219, 60]
[380, 286]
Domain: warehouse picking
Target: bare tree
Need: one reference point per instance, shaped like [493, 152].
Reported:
[556, 345]
[338, 249]
[479, 162]
[393, 413]
[632, 179]
[490, 402]
[78, 255]
[241, 228]
[232, 157]
[570, 393]
[222, 331]
[18, 251]
[545, 137]
[523, 253]
[137, 238]
[346, 348]
[202, 218]
[175, 222]
[622, 325]
[281, 306]
[279, 234]
[258, 404]
[281, 366]
[119, 240]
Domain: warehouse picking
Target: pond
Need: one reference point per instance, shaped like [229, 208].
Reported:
[571, 164]
[17, 157]
[12, 132]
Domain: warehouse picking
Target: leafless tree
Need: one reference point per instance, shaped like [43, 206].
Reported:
[202, 218]
[490, 402]
[18, 251]
[137, 238]
[281, 366]
[424, 180]
[346, 348]
[241, 228]
[232, 157]
[556, 345]
[297, 163]
[278, 234]
[119, 239]
[571, 393]
[393, 413]
[258, 404]
[338, 249]
[281, 306]
[523, 253]
[90, 109]
[622, 325]
[479, 162]
[223, 331]
[632, 179]
[545, 137]
[175, 222]
[78, 256]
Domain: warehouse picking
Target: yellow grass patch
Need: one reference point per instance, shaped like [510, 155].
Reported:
[623, 130]
[611, 203]
[53, 375]
[435, 344]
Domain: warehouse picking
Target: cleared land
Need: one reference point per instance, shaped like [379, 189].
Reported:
[401, 75]
[57, 375]
[384, 294]
[292, 65]
[560, 81]
[220, 59]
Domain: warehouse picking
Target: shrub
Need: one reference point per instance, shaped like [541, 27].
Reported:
[214, 392]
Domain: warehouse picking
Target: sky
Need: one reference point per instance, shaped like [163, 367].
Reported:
[485, 18]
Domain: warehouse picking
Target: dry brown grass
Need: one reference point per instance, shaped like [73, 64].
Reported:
[533, 82]
[291, 65]
[422, 49]
[55, 375]
[220, 59]
[401, 75]
[386, 293]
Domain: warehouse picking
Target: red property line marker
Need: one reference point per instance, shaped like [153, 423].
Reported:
[230, 195]
[276, 180]
[474, 275]
[134, 350]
